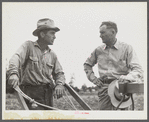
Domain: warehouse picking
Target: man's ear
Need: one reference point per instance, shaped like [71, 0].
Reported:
[113, 31]
[42, 34]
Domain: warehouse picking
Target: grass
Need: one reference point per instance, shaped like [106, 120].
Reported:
[63, 103]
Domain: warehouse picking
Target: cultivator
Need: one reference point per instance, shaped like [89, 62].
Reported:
[124, 88]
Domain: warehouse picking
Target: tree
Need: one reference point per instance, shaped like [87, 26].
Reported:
[72, 80]
[76, 89]
[71, 83]
[84, 87]
[90, 89]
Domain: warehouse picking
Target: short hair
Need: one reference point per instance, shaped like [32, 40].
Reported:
[110, 24]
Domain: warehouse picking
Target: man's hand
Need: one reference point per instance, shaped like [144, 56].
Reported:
[59, 91]
[13, 80]
[98, 82]
[126, 78]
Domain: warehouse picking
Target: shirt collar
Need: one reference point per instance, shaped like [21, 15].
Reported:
[36, 44]
[116, 45]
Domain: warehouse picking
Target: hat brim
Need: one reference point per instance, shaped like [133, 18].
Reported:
[114, 101]
[35, 32]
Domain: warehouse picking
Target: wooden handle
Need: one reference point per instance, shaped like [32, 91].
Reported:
[77, 97]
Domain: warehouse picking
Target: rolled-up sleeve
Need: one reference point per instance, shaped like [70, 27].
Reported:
[58, 74]
[133, 63]
[89, 63]
[17, 60]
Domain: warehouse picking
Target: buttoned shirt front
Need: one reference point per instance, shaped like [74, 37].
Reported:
[35, 67]
[120, 59]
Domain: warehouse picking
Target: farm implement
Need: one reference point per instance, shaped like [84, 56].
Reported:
[20, 96]
[128, 88]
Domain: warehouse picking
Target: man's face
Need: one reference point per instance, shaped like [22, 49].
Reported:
[49, 37]
[106, 34]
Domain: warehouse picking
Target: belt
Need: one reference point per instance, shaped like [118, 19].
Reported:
[107, 81]
[44, 86]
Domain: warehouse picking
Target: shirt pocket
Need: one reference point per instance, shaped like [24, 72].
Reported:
[49, 68]
[101, 60]
[33, 63]
[122, 66]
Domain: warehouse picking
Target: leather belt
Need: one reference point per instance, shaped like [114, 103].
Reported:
[107, 81]
[44, 86]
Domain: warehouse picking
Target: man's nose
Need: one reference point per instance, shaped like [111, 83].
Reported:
[54, 37]
[100, 36]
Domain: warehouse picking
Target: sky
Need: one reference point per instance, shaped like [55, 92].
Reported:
[79, 30]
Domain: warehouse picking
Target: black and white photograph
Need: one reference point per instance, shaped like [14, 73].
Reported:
[74, 60]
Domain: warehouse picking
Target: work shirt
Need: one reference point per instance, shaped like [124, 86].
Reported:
[120, 59]
[33, 67]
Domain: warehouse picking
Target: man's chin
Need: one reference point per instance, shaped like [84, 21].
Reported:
[103, 41]
[50, 43]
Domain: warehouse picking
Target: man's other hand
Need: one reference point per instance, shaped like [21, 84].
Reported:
[13, 80]
[124, 78]
[59, 91]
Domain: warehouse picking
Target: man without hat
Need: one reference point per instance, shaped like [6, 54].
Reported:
[35, 67]
[116, 61]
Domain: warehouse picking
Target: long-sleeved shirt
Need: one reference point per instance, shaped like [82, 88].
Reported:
[33, 67]
[120, 59]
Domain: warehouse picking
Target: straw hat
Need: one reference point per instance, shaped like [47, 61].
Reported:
[113, 92]
[45, 24]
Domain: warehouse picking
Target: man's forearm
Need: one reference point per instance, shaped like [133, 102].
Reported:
[91, 76]
[60, 79]
[89, 72]
[13, 67]
[136, 72]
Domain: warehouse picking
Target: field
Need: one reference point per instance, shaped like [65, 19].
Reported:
[63, 103]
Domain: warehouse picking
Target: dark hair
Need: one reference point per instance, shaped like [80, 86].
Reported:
[110, 24]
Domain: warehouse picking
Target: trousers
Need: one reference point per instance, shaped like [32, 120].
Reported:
[104, 98]
[40, 93]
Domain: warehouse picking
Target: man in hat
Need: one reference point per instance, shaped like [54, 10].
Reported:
[35, 67]
[115, 59]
